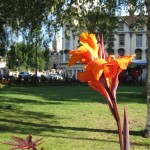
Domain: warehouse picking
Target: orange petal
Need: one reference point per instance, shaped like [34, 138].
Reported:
[74, 58]
[84, 61]
[80, 54]
[114, 83]
[110, 70]
[110, 57]
[89, 41]
[85, 76]
[97, 67]
[97, 85]
[81, 49]
[87, 55]
[88, 67]
[124, 61]
[72, 52]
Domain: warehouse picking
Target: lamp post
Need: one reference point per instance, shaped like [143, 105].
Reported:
[17, 66]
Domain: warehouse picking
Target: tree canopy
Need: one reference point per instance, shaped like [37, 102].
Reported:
[29, 18]
[40, 18]
[25, 56]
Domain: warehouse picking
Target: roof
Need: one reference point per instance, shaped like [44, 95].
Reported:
[130, 19]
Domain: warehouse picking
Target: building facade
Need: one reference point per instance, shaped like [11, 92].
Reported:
[69, 44]
[55, 53]
[56, 59]
[128, 40]
[56, 44]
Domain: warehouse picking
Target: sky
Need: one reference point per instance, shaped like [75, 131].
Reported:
[121, 13]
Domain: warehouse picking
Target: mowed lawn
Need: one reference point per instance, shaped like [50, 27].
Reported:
[70, 117]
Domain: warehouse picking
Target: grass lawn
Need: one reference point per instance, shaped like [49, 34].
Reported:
[70, 117]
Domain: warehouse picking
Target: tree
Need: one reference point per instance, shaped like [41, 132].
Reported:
[3, 39]
[147, 127]
[26, 56]
[25, 17]
[87, 16]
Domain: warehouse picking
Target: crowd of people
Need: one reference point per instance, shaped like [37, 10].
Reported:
[133, 76]
[129, 76]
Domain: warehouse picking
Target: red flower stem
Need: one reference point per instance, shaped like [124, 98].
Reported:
[119, 127]
[114, 110]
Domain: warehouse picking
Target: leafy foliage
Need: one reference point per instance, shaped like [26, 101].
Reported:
[33, 20]
[26, 55]
[37, 20]
[3, 39]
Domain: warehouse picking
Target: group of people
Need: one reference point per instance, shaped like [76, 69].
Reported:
[133, 76]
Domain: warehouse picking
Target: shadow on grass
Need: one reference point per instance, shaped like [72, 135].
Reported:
[43, 127]
[37, 128]
[40, 124]
[7, 100]
[100, 140]
[24, 126]
[25, 122]
[60, 94]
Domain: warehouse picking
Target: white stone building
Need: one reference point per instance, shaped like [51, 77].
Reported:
[127, 41]
[56, 59]
[56, 44]
[69, 44]
[55, 53]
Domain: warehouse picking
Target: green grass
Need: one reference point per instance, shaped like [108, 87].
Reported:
[70, 117]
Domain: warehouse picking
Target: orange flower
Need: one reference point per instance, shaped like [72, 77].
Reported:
[98, 62]
[101, 71]
[87, 52]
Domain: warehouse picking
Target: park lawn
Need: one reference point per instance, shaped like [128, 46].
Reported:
[70, 117]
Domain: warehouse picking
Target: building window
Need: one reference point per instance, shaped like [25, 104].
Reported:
[138, 53]
[68, 73]
[139, 40]
[146, 40]
[121, 26]
[121, 52]
[67, 57]
[67, 44]
[110, 52]
[146, 51]
[110, 40]
[73, 37]
[66, 53]
[121, 40]
[141, 28]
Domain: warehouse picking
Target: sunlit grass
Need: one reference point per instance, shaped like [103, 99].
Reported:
[70, 117]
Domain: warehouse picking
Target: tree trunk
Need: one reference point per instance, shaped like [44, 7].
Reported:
[147, 127]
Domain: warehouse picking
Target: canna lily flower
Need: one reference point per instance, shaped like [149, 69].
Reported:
[24, 144]
[101, 71]
[99, 66]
